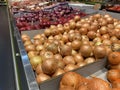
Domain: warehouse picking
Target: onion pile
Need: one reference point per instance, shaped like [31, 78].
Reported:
[74, 44]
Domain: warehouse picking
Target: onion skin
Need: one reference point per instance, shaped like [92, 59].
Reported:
[116, 46]
[70, 67]
[59, 71]
[47, 55]
[53, 48]
[89, 60]
[116, 84]
[35, 61]
[113, 75]
[38, 36]
[115, 88]
[39, 47]
[83, 31]
[47, 32]
[37, 42]
[98, 84]
[58, 57]
[83, 87]
[38, 69]
[27, 43]
[81, 64]
[25, 37]
[67, 88]
[60, 64]
[32, 54]
[103, 30]
[77, 18]
[114, 58]
[91, 35]
[30, 47]
[78, 58]
[42, 77]
[117, 66]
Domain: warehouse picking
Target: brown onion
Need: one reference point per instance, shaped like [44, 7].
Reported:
[86, 50]
[65, 50]
[49, 66]
[77, 18]
[103, 30]
[118, 26]
[70, 67]
[66, 27]
[52, 47]
[71, 35]
[42, 77]
[47, 32]
[69, 60]
[26, 39]
[116, 83]
[105, 36]
[89, 60]
[76, 44]
[67, 88]
[83, 31]
[39, 47]
[72, 24]
[114, 58]
[38, 69]
[81, 64]
[78, 58]
[59, 71]
[107, 42]
[47, 55]
[86, 25]
[78, 24]
[30, 47]
[65, 38]
[27, 43]
[32, 54]
[113, 39]
[99, 52]
[93, 28]
[113, 75]
[91, 34]
[35, 61]
[58, 57]
[117, 66]
[60, 64]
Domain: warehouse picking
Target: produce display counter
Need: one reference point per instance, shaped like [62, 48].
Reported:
[96, 69]
[8, 75]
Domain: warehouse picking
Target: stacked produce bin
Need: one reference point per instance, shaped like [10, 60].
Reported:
[26, 29]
